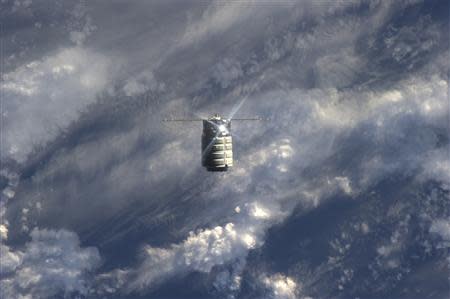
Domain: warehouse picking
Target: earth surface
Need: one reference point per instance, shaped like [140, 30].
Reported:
[341, 191]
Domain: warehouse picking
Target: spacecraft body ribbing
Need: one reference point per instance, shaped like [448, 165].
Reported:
[217, 144]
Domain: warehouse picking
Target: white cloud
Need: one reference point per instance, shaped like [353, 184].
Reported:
[307, 131]
[21, 5]
[281, 286]
[80, 25]
[227, 71]
[279, 154]
[51, 264]
[323, 119]
[204, 249]
[218, 17]
[228, 280]
[391, 250]
[10, 259]
[344, 184]
[436, 166]
[271, 174]
[201, 251]
[365, 228]
[441, 227]
[3, 232]
[338, 69]
[44, 96]
[259, 212]
[142, 83]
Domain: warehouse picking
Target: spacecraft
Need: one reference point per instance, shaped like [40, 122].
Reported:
[217, 142]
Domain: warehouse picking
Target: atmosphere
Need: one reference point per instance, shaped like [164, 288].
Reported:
[225, 149]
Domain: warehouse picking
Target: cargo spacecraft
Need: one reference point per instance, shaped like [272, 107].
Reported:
[217, 142]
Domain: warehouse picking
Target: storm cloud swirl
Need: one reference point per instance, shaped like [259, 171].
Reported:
[342, 192]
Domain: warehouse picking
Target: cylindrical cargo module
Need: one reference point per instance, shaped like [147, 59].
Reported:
[217, 144]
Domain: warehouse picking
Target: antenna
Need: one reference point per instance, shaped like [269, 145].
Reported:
[181, 119]
[201, 119]
[254, 118]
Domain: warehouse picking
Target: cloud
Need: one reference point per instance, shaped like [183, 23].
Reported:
[205, 249]
[441, 227]
[387, 115]
[46, 95]
[80, 25]
[216, 18]
[142, 83]
[339, 124]
[282, 287]
[10, 259]
[265, 170]
[227, 71]
[436, 166]
[51, 264]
